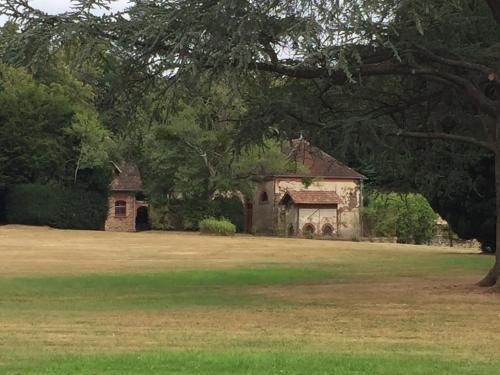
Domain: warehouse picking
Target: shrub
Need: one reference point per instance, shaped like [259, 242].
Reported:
[409, 217]
[56, 206]
[222, 227]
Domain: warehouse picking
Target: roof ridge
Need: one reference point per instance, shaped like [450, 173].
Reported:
[319, 162]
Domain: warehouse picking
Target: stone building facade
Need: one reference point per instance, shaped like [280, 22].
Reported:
[125, 212]
[322, 201]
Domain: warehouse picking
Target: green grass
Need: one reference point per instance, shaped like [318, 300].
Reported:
[252, 363]
[147, 291]
[259, 306]
[376, 265]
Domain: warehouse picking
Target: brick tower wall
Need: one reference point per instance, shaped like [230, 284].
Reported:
[121, 223]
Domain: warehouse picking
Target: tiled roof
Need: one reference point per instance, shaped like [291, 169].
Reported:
[126, 178]
[310, 197]
[318, 163]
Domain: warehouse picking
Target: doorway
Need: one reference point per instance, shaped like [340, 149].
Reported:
[142, 219]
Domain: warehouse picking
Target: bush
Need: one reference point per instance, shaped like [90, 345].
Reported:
[409, 217]
[55, 206]
[222, 227]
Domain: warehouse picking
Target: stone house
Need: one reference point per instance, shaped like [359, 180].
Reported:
[126, 213]
[322, 199]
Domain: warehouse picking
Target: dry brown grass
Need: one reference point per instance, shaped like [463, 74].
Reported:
[386, 311]
[40, 250]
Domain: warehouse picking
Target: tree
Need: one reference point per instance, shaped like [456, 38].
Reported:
[191, 157]
[440, 45]
[33, 117]
[47, 132]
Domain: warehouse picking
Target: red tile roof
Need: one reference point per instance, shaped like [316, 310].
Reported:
[126, 177]
[310, 197]
[318, 163]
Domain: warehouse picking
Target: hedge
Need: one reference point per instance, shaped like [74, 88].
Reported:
[232, 209]
[187, 214]
[222, 227]
[55, 206]
[3, 192]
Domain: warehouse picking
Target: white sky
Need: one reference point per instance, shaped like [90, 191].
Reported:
[59, 6]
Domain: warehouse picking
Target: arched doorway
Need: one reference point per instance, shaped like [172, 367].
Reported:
[327, 231]
[142, 219]
[308, 231]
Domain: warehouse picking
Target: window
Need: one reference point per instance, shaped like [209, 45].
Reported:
[120, 208]
[263, 197]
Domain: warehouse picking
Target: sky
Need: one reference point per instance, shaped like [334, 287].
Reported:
[59, 6]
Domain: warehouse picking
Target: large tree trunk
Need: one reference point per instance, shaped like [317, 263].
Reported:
[492, 276]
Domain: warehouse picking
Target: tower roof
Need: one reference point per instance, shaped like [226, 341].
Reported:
[126, 177]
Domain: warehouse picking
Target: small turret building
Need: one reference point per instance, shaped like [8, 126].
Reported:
[126, 213]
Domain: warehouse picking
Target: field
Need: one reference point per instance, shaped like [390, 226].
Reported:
[82, 302]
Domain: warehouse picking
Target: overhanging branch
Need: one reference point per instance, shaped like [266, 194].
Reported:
[444, 136]
[495, 9]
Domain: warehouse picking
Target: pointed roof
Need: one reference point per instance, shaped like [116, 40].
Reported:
[310, 197]
[318, 162]
[126, 177]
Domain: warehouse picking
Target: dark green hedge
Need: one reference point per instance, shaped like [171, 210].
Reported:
[186, 214]
[3, 192]
[55, 206]
[233, 210]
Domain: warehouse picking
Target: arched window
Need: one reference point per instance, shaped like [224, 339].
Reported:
[263, 197]
[120, 208]
[308, 231]
[327, 231]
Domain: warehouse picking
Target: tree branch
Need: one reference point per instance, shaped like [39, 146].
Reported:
[384, 69]
[495, 9]
[455, 63]
[444, 136]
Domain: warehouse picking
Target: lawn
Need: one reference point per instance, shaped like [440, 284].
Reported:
[82, 302]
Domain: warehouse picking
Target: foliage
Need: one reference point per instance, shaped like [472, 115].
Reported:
[32, 121]
[55, 206]
[307, 181]
[191, 156]
[222, 227]
[408, 217]
[3, 193]
[47, 132]
[232, 209]
[182, 214]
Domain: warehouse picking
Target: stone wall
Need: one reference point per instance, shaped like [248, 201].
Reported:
[264, 212]
[348, 223]
[268, 217]
[318, 217]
